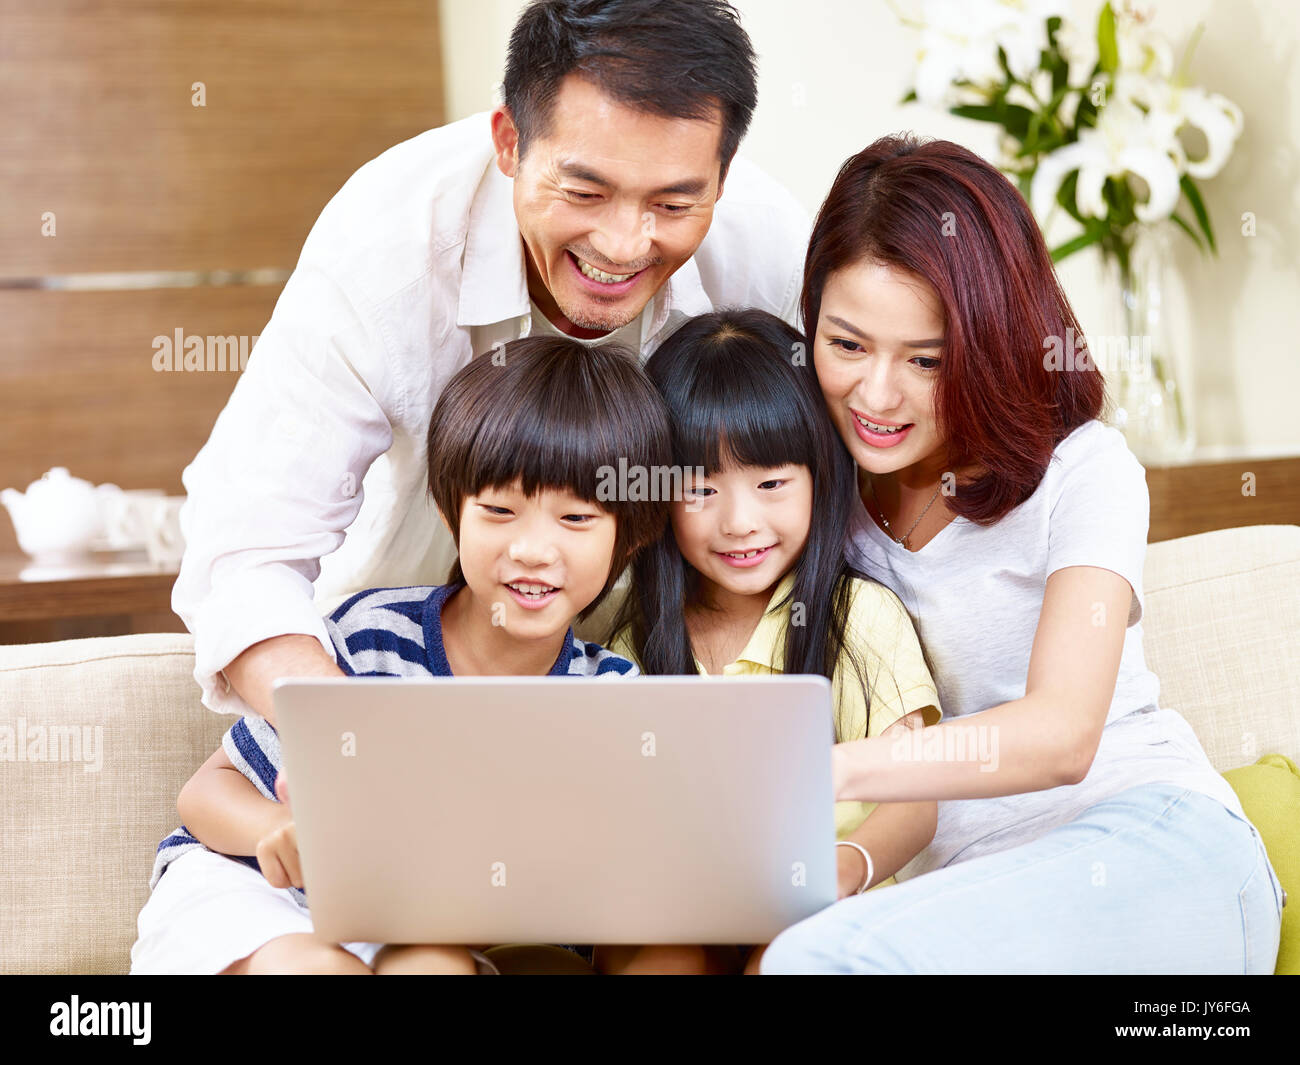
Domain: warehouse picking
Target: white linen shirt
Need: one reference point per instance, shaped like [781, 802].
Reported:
[313, 483]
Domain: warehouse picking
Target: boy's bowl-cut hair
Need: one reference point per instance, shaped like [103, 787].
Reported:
[551, 413]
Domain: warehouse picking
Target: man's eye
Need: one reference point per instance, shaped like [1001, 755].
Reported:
[585, 195]
[675, 208]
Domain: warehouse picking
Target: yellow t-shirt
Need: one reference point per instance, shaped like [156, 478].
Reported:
[880, 631]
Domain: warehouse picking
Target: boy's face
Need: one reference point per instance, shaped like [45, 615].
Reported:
[610, 202]
[744, 527]
[534, 564]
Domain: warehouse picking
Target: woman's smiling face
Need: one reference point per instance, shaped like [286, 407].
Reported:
[877, 350]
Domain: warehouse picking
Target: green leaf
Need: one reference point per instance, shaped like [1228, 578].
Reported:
[1012, 117]
[1089, 236]
[1065, 196]
[1198, 208]
[1107, 49]
[1188, 230]
[911, 95]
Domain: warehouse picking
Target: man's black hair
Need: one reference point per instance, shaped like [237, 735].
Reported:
[675, 58]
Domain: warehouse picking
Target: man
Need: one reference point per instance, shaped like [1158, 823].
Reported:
[588, 204]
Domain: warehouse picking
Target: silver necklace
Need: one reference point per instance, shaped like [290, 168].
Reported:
[902, 540]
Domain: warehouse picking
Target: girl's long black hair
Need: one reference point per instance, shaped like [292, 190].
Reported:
[741, 390]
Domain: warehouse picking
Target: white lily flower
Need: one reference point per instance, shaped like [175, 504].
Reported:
[1174, 111]
[1122, 146]
[960, 41]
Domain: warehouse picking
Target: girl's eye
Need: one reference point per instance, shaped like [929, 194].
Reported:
[847, 345]
[934, 363]
[775, 482]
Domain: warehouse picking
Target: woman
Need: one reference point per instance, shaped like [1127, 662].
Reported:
[1094, 835]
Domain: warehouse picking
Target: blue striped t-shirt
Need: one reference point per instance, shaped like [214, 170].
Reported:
[381, 632]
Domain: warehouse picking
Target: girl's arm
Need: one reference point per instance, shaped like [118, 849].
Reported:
[1046, 739]
[893, 834]
[225, 812]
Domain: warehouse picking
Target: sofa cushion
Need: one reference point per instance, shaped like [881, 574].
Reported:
[1220, 632]
[119, 728]
[1269, 792]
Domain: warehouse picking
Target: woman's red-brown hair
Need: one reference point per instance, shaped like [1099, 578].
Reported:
[939, 211]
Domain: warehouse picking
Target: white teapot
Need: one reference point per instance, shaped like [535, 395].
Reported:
[59, 517]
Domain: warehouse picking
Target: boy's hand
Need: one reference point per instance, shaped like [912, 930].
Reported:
[277, 851]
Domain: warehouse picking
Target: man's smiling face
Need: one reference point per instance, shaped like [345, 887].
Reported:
[610, 202]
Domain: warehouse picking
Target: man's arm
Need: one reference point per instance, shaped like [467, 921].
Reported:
[274, 489]
[291, 655]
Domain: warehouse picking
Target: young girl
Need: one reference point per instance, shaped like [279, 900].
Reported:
[517, 449]
[751, 577]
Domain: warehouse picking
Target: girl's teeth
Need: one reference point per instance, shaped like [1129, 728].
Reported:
[880, 428]
[747, 554]
[600, 275]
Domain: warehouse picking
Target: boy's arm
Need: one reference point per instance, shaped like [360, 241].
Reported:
[225, 812]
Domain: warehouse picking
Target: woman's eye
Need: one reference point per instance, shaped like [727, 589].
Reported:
[847, 345]
[933, 363]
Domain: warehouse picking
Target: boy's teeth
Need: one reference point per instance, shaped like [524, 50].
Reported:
[599, 275]
[880, 428]
[535, 591]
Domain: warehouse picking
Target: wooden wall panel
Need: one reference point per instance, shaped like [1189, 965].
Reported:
[78, 387]
[97, 124]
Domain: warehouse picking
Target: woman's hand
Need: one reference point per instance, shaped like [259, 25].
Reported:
[850, 869]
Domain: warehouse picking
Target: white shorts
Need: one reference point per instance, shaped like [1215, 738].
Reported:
[208, 911]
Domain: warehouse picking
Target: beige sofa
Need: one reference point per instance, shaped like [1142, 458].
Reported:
[77, 835]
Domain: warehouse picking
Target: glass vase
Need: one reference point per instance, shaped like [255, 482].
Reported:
[1148, 406]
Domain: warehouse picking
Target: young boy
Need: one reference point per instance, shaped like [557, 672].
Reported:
[518, 446]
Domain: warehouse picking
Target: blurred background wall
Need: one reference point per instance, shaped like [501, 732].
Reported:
[832, 73]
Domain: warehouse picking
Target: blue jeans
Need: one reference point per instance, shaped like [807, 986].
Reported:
[1156, 879]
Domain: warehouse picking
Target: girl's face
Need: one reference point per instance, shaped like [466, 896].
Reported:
[879, 343]
[743, 528]
[534, 563]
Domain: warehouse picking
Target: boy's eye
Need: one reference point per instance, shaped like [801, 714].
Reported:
[703, 491]
[580, 519]
[495, 510]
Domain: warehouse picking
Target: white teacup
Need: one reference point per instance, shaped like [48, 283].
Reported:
[127, 517]
[163, 539]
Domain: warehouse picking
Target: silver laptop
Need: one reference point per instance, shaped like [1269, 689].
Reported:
[489, 810]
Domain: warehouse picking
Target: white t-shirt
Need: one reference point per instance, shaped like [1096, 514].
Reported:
[975, 594]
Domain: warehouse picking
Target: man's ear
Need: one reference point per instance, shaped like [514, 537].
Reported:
[505, 141]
